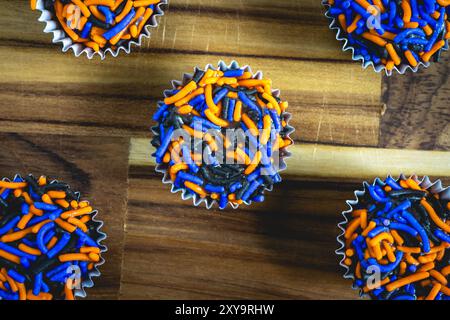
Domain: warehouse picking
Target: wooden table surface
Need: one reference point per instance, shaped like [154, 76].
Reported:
[87, 123]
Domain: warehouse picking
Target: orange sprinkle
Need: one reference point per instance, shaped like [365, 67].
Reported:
[398, 239]
[65, 225]
[78, 223]
[427, 267]
[196, 188]
[254, 163]
[41, 296]
[369, 228]
[181, 94]
[409, 249]
[342, 21]
[90, 249]
[12, 185]
[439, 277]
[10, 237]
[68, 291]
[24, 221]
[409, 56]
[77, 212]
[351, 228]
[393, 54]
[407, 280]
[354, 25]
[27, 198]
[363, 217]
[427, 258]
[375, 39]
[237, 111]
[33, 4]
[382, 236]
[216, 120]
[52, 242]
[74, 257]
[63, 203]
[441, 224]
[57, 194]
[9, 256]
[38, 226]
[428, 31]
[434, 292]
[438, 45]
[22, 291]
[29, 250]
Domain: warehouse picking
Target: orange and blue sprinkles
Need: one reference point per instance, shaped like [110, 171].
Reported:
[49, 240]
[396, 240]
[102, 24]
[392, 34]
[221, 136]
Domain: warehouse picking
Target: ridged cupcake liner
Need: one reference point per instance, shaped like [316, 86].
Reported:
[100, 237]
[60, 36]
[162, 168]
[425, 182]
[334, 25]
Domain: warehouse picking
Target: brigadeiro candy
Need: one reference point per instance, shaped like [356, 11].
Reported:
[222, 136]
[99, 26]
[396, 240]
[392, 34]
[49, 241]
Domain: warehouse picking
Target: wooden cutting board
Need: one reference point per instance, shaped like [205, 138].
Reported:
[87, 122]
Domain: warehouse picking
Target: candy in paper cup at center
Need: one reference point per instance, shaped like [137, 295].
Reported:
[87, 27]
[391, 35]
[395, 240]
[50, 240]
[222, 135]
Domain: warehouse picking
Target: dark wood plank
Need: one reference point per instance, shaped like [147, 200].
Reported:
[278, 250]
[418, 113]
[97, 167]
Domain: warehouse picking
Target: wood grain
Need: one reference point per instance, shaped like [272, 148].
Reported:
[320, 100]
[117, 96]
[285, 29]
[288, 29]
[279, 250]
[282, 249]
[418, 113]
[80, 163]
[73, 118]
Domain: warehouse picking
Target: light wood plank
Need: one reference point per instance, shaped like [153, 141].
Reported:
[339, 163]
